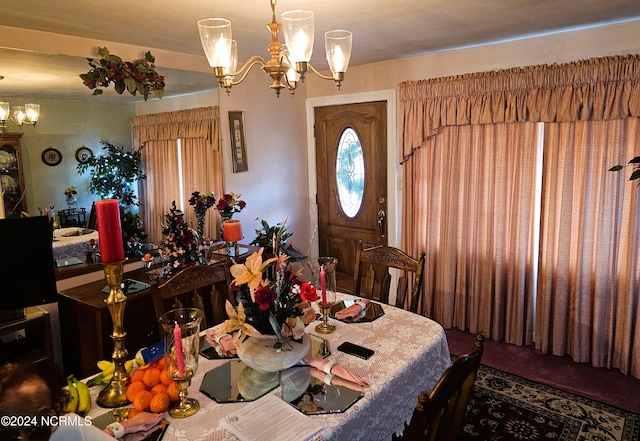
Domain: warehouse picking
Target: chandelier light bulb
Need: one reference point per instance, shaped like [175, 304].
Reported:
[338, 47]
[215, 36]
[298, 31]
[4, 111]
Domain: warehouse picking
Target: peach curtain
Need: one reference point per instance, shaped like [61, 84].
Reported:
[593, 89]
[200, 163]
[588, 295]
[589, 265]
[160, 160]
[169, 177]
[473, 211]
[203, 122]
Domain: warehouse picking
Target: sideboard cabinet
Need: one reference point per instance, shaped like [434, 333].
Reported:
[12, 175]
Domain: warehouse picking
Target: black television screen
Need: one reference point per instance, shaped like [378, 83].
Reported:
[27, 274]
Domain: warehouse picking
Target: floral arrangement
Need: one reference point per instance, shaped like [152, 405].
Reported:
[180, 245]
[138, 76]
[230, 203]
[272, 299]
[133, 234]
[70, 192]
[201, 203]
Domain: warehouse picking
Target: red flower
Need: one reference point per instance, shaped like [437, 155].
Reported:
[308, 292]
[264, 297]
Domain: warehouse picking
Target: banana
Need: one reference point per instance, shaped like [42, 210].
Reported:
[106, 366]
[72, 404]
[84, 397]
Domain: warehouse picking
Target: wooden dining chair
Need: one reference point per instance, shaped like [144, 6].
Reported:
[439, 414]
[372, 278]
[195, 286]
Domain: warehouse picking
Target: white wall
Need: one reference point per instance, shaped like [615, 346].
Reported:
[275, 187]
[67, 126]
[619, 39]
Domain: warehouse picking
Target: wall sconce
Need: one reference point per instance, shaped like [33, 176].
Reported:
[19, 115]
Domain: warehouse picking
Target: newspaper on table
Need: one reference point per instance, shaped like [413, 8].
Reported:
[249, 422]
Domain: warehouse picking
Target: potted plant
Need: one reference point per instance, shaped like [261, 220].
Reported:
[112, 177]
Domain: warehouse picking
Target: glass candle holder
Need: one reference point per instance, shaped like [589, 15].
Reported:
[232, 233]
[181, 328]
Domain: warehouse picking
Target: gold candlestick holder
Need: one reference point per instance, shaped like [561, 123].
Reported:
[114, 395]
[325, 327]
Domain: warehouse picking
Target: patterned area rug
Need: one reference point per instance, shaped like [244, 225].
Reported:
[506, 407]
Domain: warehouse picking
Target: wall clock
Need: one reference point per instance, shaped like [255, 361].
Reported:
[83, 154]
[51, 156]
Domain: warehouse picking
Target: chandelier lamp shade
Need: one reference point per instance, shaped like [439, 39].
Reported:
[289, 62]
[27, 114]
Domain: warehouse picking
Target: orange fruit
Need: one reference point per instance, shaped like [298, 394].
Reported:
[165, 378]
[137, 375]
[134, 388]
[173, 390]
[133, 412]
[151, 377]
[158, 389]
[159, 363]
[159, 403]
[142, 400]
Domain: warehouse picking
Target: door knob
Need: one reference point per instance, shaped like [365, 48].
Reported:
[381, 218]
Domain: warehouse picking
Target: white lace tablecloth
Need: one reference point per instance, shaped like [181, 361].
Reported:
[71, 246]
[411, 353]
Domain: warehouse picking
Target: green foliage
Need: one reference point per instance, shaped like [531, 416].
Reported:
[138, 76]
[265, 236]
[113, 174]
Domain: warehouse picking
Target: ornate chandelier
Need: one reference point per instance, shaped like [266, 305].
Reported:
[20, 115]
[287, 65]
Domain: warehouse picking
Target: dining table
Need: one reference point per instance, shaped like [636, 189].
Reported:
[410, 355]
[71, 242]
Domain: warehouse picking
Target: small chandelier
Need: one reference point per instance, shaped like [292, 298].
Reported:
[287, 65]
[19, 115]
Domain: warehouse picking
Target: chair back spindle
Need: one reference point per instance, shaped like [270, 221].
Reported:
[372, 278]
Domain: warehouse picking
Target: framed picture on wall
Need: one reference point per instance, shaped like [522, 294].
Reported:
[238, 145]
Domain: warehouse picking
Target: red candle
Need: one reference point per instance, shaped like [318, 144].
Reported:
[323, 285]
[109, 231]
[232, 230]
[177, 336]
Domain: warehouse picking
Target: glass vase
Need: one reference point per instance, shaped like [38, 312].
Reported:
[181, 328]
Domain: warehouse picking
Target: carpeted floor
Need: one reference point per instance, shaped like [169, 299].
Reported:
[600, 384]
[507, 407]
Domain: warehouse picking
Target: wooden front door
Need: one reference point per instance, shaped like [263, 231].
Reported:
[351, 167]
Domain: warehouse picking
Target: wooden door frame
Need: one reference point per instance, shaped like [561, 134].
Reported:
[394, 170]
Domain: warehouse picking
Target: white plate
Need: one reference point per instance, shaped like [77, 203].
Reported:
[8, 183]
[6, 159]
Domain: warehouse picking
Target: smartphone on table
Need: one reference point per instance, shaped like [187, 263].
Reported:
[357, 350]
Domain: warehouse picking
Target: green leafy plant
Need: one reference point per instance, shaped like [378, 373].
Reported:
[635, 174]
[266, 235]
[138, 76]
[113, 174]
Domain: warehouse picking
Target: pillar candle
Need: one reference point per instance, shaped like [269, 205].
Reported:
[109, 231]
[1, 203]
[323, 285]
[232, 230]
[177, 336]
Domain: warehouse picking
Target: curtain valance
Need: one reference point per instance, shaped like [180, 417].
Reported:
[202, 122]
[593, 89]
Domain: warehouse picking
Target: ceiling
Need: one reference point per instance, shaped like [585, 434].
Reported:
[382, 30]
